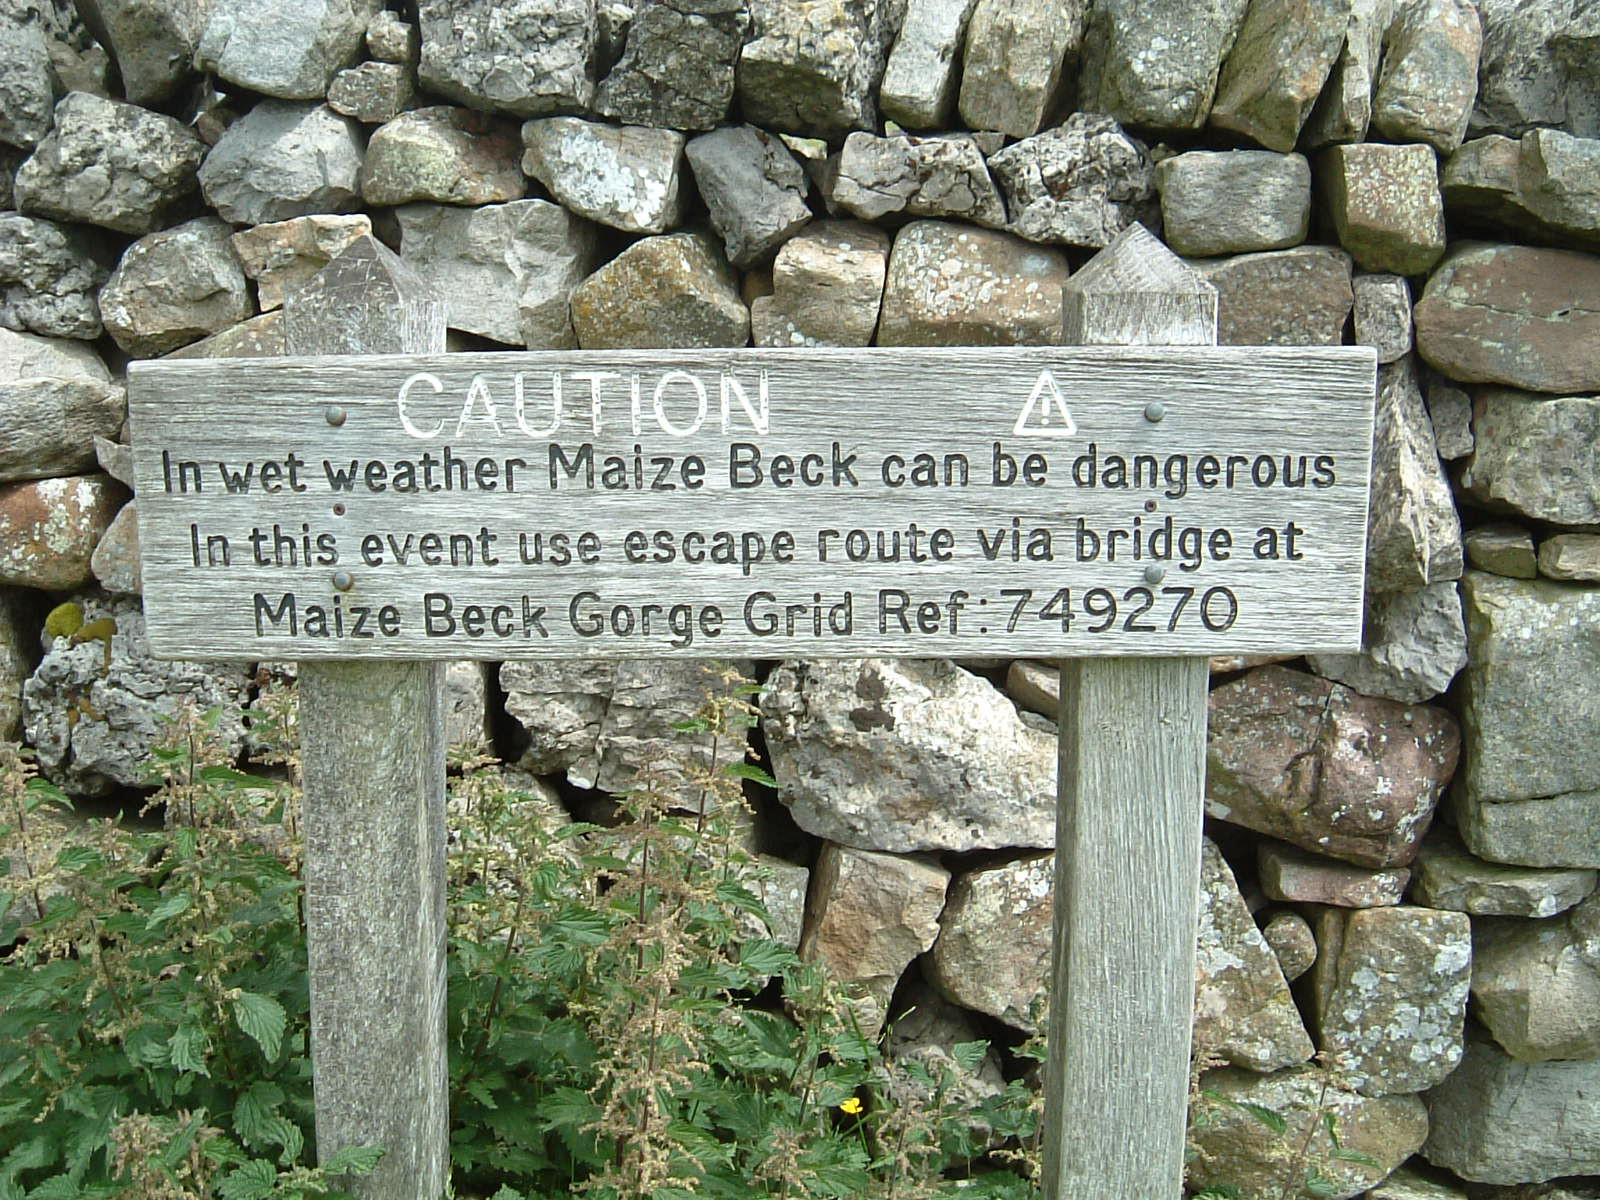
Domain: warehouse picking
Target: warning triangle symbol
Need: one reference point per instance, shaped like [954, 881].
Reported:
[1046, 413]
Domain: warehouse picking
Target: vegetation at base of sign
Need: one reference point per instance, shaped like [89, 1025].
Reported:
[621, 1021]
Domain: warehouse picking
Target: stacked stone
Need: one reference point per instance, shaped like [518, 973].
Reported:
[1421, 176]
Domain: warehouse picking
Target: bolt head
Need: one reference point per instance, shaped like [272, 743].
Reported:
[334, 414]
[1155, 411]
[343, 580]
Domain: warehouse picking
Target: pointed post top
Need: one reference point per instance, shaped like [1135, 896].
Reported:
[366, 301]
[1136, 292]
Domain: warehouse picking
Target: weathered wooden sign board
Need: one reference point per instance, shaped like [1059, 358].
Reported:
[1061, 502]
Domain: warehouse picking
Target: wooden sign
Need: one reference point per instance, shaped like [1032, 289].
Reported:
[1044, 502]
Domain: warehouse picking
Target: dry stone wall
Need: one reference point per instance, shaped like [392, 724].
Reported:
[1404, 842]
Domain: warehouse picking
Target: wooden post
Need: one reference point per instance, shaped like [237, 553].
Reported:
[373, 746]
[1128, 824]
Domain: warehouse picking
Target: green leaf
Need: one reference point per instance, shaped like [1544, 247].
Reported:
[77, 859]
[354, 1160]
[766, 957]
[1353, 1156]
[1268, 1117]
[283, 1132]
[35, 1152]
[253, 1110]
[263, 1019]
[188, 1049]
[171, 907]
[57, 1187]
[750, 771]
[255, 1180]
[970, 1056]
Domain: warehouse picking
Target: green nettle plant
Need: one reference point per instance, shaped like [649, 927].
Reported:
[621, 1021]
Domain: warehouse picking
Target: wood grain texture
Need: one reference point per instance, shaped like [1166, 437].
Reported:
[372, 737]
[854, 409]
[1131, 783]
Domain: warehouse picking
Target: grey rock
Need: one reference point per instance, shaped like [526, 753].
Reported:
[173, 287]
[1558, 181]
[19, 654]
[93, 726]
[1502, 548]
[753, 187]
[1035, 686]
[1547, 831]
[1383, 315]
[29, 872]
[284, 256]
[907, 755]
[1386, 205]
[922, 1044]
[993, 952]
[1390, 992]
[1313, 763]
[811, 66]
[257, 337]
[951, 284]
[443, 154]
[1406, 1184]
[1571, 556]
[1298, 297]
[1413, 531]
[870, 915]
[373, 92]
[1344, 110]
[284, 159]
[1014, 55]
[109, 164]
[1530, 638]
[291, 51]
[1292, 942]
[1430, 73]
[613, 18]
[153, 41]
[1450, 410]
[1536, 984]
[626, 177]
[921, 77]
[1232, 1144]
[1517, 315]
[670, 291]
[1448, 875]
[1540, 66]
[1413, 644]
[677, 67]
[1291, 875]
[115, 459]
[827, 287]
[921, 177]
[1082, 182]
[55, 399]
[600, 722]
[466, 706]
[49, 277]
[507, 271]
[27, 88]
[1201, 213]
[1480, 181]
[10, 160]
[115, 561]
[1156, 67]
[50, 527]
[1243, 1013]
[1536, 456]
[1497, 1120]
[391, 39]
[526, 57]
[1277, 67]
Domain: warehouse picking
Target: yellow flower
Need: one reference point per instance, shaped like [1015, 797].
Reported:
[851, 1106]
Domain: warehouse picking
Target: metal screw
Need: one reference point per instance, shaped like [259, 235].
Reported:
[343, 580]
[1154, 411]
[1154, 573]
[334, 414]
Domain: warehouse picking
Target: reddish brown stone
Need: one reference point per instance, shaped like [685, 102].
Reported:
[1316, 764]
[50, 527]
[1517, 315]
